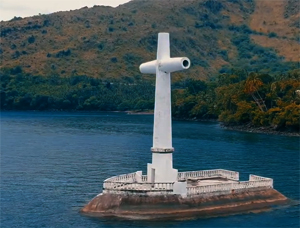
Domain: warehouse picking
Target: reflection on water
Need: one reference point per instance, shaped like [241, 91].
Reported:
[54, 163]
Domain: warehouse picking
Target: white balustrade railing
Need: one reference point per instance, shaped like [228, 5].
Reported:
[123, 186]
[128, 182]
[208, 174]
[259, 178]
[197, 174]
[130, 177]
[264, 182]
[144, 178]
[255, 178]
[232, 175]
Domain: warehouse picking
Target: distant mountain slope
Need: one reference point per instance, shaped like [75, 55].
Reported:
[106, 42]
[281, 19]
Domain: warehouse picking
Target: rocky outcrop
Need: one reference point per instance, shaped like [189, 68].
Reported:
[174, 206]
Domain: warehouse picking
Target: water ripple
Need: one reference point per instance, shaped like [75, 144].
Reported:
[54, 163]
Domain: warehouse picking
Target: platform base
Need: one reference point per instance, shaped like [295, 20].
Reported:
[174, 206]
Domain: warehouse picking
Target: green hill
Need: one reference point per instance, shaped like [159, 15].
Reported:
[244, 54]
[105, 42]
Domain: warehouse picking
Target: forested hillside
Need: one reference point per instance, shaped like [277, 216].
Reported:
[244, 54]
[104, 42]
[239, 98]
[26, 92]
[235, 98]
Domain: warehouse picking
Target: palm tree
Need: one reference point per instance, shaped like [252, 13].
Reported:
[253, 83]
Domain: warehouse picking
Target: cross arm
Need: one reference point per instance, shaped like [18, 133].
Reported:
[167, 65]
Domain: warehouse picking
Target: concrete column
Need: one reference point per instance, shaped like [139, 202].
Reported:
[161, 169]
[162, 130]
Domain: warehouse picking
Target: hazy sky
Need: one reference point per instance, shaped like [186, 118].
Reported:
[26, 8]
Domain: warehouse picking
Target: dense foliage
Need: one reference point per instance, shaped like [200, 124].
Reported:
[242, 98]
[234, 98]
[26, 92]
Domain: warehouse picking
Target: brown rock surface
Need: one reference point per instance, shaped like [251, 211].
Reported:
[174, 206]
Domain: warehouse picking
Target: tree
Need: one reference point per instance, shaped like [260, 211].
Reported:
[252, 85]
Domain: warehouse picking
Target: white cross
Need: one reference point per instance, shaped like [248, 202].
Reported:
[162, 132]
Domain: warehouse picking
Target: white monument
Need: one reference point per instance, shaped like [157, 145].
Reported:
[161, 169]
[185, 193]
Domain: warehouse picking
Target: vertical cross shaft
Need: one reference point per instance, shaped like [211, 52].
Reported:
[161, 169]
[162, 130]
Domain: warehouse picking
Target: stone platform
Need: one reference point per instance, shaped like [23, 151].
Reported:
[204, 193]
[176, 207]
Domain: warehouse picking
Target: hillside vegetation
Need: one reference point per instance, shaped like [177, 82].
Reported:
[244, 54]
[105, 42]
[237, 98]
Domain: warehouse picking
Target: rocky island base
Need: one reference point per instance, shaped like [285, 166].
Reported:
[176, 206]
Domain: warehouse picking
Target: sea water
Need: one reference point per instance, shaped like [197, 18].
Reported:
[53, 163]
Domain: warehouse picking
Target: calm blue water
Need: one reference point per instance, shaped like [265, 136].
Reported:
[54, 163]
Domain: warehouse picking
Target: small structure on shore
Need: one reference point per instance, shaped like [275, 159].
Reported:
[165, 192]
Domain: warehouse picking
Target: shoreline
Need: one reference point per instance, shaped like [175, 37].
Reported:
[147, 112]
[263, 130]
[243, 128]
